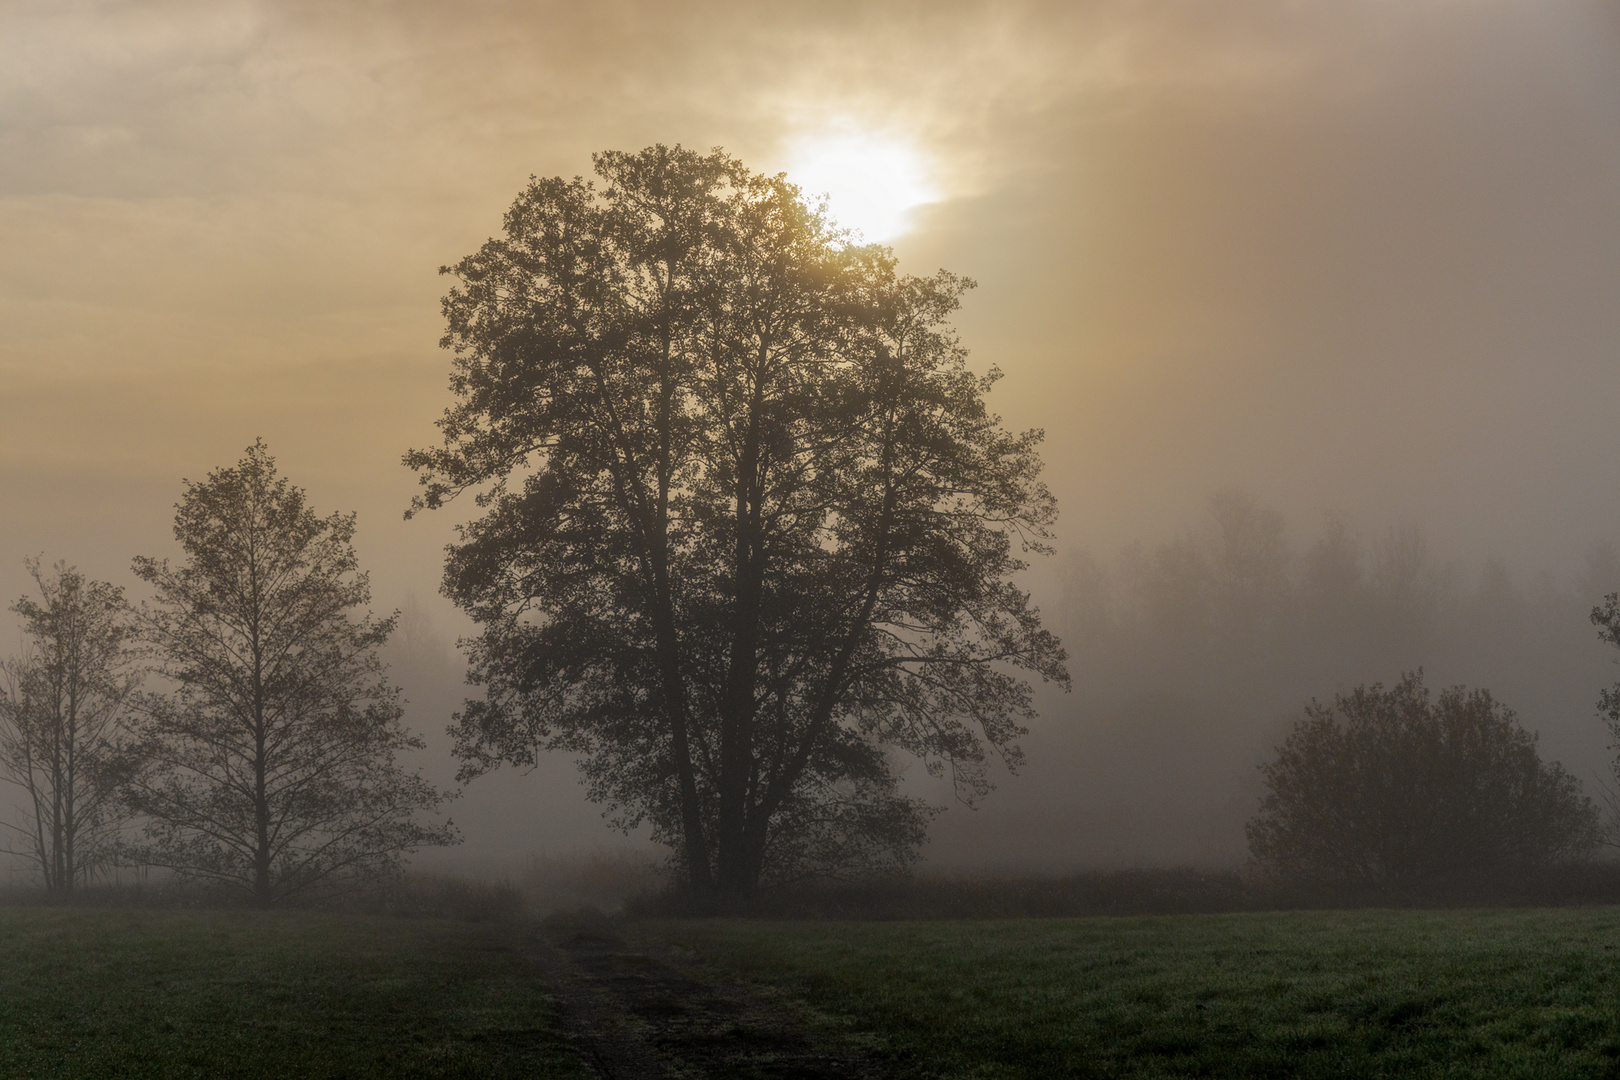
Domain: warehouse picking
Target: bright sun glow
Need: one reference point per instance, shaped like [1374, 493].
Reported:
[872, 183]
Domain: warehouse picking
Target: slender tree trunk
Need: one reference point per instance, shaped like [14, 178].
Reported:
[38, 799]
[70, 866]
[261, 801]
[54, 884]
[261, 814]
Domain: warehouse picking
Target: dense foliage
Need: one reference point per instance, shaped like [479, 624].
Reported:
[1386, 788]
[271, 764]
[748, 524]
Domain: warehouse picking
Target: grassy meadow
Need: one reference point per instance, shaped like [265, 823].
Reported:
[102, 993]
[1481, 993]
[164, 993]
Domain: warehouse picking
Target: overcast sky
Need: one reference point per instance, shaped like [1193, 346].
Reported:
[1361, 257]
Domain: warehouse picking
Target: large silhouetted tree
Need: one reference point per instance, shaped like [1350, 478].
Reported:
[748, 525]
[271, 766]
[1390, 789]
[62, 703]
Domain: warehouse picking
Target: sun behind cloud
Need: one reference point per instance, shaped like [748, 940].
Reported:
[873, 183]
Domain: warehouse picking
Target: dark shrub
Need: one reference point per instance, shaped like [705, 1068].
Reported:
[1388, 790]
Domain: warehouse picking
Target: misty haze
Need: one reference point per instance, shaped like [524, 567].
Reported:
[641, 539]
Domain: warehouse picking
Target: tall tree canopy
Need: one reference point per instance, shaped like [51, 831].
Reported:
[748, 526]
[271, 766]
[62, 705]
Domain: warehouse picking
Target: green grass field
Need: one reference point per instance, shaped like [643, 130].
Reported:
[142, 993]
[164, 994]
[1531, 993]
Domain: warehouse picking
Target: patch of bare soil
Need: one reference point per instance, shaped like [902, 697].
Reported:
[640, 1012]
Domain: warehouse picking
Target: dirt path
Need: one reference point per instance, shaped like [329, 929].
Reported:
[639, 1013]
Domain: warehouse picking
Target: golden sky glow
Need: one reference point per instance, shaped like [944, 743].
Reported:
[1216, 244]
[873, 183]
[1357, 256]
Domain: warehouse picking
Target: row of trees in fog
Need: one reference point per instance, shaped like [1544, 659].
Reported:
[747, 527]
[263, 755]
[238, 726]
[1232, 605]
[745, 532]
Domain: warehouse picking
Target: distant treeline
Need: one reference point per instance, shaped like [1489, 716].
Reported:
[1234, 606]
[1193, 656]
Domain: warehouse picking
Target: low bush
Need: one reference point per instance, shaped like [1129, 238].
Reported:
[1390, 792]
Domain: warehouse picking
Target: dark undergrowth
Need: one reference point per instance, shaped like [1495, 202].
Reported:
[412, 895]
[1176, 891]
[1167, 891]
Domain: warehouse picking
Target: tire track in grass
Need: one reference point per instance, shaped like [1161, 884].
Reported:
[636, 1014]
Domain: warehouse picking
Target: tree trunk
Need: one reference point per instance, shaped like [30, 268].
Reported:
[696, 846]
[261, 802]
[261, 817]
[70, 821]
[736, 879]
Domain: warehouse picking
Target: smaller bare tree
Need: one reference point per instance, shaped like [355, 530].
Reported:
[271, 766]
[61, 706]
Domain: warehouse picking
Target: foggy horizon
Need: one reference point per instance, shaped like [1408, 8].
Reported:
[1352, 261]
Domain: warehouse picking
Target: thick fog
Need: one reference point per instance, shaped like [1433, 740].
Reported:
[1316, 304]
[1194, 654]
